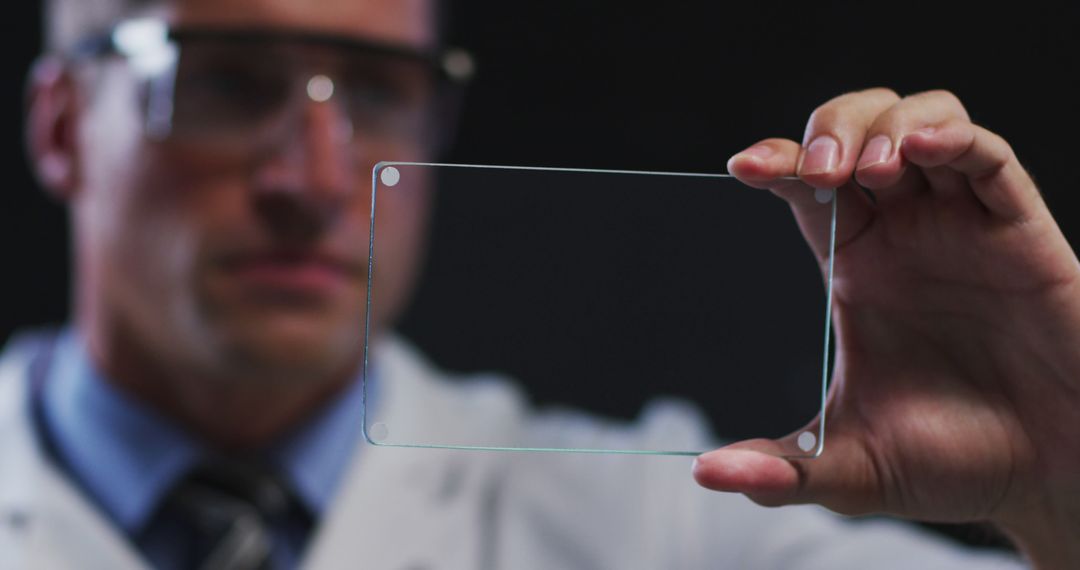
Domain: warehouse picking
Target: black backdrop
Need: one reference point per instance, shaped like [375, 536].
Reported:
[650, 85]
[664, 86]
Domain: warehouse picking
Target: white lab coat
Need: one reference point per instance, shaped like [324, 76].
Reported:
[405, 509]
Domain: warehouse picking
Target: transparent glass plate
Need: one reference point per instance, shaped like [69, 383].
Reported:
[575, 309]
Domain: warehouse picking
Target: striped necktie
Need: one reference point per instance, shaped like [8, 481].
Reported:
[230, 510]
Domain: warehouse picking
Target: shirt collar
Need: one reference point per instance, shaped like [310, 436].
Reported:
[127, 456]
[317, 455]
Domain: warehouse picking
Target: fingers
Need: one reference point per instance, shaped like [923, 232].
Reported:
[933, 131]
[834, 136]
[876, 163]
[875, 137]
[836, 133]
[760, 165]
[769, 165]
[843, 479]
[986, 161]
[764, 478]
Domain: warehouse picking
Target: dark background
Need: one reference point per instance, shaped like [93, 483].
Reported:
[659, 86]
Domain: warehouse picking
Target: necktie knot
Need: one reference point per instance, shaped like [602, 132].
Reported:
[250, 485]
[230, 509]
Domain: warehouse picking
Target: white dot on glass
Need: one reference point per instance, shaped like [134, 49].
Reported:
[807, 441]
[320, 88]
[378, 432]
[390, 176]
[823, 195]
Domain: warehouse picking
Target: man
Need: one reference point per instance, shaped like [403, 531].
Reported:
[202, 412]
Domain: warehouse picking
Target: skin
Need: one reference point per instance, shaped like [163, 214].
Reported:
[957, 304]
[957, 317]
[169, 297]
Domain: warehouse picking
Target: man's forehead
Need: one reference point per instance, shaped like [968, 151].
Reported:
[396, 21]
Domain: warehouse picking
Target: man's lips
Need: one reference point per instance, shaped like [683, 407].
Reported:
[291, 270]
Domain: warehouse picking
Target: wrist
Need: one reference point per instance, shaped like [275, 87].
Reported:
[1048, 536]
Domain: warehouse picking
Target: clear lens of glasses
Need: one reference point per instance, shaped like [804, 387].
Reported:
[243, 91]
[598, 301]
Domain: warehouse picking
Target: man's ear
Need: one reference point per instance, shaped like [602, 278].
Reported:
[51, 126]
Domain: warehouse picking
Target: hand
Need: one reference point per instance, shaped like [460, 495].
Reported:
[956, 390]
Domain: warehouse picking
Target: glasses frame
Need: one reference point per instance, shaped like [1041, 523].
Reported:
[452, 64]
[151, 44]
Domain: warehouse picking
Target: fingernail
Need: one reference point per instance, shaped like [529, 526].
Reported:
[926, 131]
[822, 156]
[758, 151]
[877, 151]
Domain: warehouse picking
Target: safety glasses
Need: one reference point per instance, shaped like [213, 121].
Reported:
[243, 90]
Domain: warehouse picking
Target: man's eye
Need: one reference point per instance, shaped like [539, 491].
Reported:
[378, 95]
[388, 94]
[233, 83]
[230, 94]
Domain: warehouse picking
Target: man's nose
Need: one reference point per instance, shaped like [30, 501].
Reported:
[302, 186]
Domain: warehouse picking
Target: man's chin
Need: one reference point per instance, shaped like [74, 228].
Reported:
[294, 348]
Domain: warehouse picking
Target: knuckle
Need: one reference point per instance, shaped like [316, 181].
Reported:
[944, 94]
[942, 97]
[998, 152]
[882, 92]
[778, 141]
[825, 116]
[781, 144]
[998, 140]
[831, 108]
[886, 123]
[1004, 152]
[843, 109]
[939, 94]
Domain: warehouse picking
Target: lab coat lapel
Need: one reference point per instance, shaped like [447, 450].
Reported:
[407, 509]
[415, 509]
[45, 522]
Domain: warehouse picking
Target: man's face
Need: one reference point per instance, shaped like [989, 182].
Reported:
[247, 262]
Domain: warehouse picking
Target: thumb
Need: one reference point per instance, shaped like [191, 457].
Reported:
[843, 478]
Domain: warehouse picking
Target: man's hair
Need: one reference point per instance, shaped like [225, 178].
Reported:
[67, 22]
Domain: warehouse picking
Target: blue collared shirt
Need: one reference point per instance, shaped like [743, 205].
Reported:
[127, 457]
